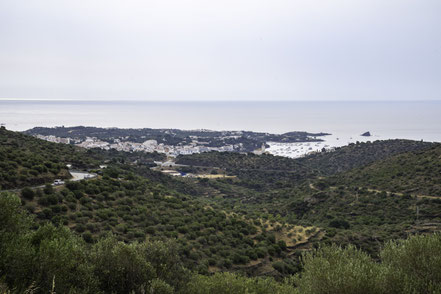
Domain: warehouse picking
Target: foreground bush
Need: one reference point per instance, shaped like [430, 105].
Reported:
[341, 271]
[415, 264]
[226, 283]
[53, 259]
[407, 266]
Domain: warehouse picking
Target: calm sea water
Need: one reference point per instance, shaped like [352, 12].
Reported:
[409, 120]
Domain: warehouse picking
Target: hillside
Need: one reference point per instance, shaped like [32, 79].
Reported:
[43, 258]
[257, 221]
[28, 161]
[348, 157]
[411, 173]
[344, 208]
[268, 168]
[135, 209]
[146, 206]
[351, 215]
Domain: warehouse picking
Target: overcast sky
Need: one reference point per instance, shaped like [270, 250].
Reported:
[221, 50]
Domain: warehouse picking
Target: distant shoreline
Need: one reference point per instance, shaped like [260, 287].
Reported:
[407, 120]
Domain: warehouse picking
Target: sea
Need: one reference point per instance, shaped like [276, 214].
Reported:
[344, 120]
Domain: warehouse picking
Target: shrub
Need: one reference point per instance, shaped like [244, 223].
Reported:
[61, 257]
[121, 268]
[415, 264]
[27, 193]
[226, 283]
[334, 270]
[339, 224]
[48, 189]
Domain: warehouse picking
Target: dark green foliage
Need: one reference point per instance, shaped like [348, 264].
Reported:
[134, 209]
[27, 161]
[334, 270]
[157, 222]
[415, 264]
[258, 172]
[339, 224]
[227, 283]
[54, 259]
[408, 266]
[42, 256]
[121, 268]
[412, 173]
[350, 206]
[27, 193]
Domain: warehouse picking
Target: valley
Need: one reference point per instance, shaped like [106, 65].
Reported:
[248, 214]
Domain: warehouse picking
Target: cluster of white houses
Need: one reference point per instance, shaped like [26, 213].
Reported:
[147, 146]
[52, 138]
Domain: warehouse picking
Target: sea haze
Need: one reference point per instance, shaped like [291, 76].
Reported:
[385, 120]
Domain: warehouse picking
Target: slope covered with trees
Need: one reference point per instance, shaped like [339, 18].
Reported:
[412, 173]
[260, 222]
[27, 161]
[53, 259]
[268, 171]
[345, 205]
[135, 209]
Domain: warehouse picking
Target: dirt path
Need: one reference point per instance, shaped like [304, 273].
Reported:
[311, 185]
[401, 194]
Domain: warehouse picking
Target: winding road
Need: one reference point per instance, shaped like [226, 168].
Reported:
[76, 176]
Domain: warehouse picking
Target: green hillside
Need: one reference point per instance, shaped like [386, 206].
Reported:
[49, 259]
[345, 205]
[259, 221]
[136, 204]
[28, 161]
[415, 173]
[135, 209]
[271, 172]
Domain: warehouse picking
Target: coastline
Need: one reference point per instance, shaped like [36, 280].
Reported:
[330, 142]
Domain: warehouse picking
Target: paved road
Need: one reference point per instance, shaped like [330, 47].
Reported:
[76, 176]
[79, 175]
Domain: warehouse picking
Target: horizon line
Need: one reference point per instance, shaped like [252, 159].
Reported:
[216, 100]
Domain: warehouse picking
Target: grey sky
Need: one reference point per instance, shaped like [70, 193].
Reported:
[221, 50]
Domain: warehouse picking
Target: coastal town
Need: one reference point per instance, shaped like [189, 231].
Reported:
[147, 146]
[292, 150]
[175, 142]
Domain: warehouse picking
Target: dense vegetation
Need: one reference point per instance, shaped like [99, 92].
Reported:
[350, 211]
[53, 259]
[416, 173]
[319, 164]
[134, 209]
[26, 161]
[355, 155]
[258, 222]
